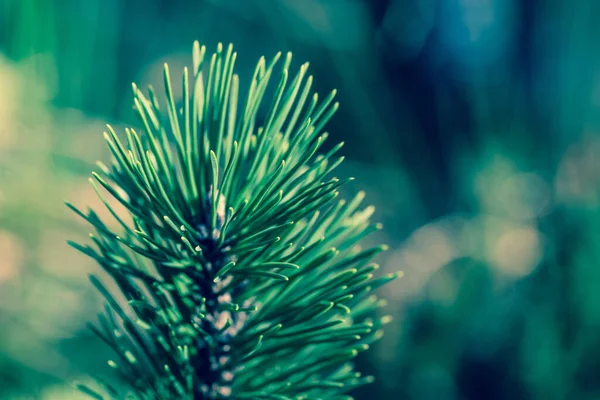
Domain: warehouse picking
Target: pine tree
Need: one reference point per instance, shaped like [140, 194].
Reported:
[241, 269]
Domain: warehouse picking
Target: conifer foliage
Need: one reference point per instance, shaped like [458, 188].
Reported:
[240, 269]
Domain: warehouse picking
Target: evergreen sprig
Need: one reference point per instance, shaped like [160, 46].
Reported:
[241, 269]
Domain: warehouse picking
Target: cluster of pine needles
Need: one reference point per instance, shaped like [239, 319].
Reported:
[239, 268]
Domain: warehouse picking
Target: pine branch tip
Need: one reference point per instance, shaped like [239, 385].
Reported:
[247, 241]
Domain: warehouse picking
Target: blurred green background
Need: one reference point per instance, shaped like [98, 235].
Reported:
[471, 124]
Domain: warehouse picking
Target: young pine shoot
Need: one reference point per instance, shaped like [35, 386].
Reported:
[240, 268]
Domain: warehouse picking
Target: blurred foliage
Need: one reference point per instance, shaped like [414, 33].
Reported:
[474, 122]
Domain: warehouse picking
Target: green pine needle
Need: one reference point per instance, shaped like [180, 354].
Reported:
[241, 268]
